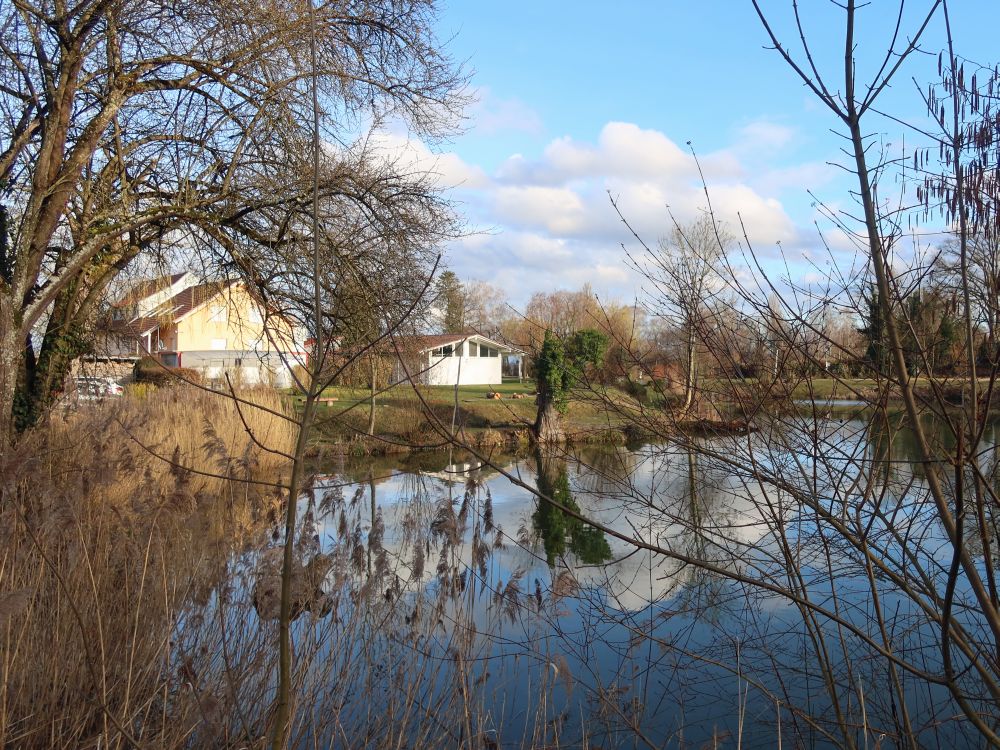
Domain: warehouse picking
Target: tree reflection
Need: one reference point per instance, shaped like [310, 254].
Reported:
[893, 448]
[554, 526]
[604, 469]
[704, 591]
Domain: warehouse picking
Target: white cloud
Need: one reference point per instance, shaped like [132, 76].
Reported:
[490, 114]
[622, 150]
[558, 210]
[447, 169]
[549, 223]
[612, 274]
[764, 136]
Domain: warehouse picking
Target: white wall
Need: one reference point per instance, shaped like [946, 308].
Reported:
[474, 370]
[255, 367]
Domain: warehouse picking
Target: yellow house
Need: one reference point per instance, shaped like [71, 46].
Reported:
[216, 328]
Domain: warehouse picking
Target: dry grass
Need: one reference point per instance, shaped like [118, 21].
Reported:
[128, 586]
[103, 544]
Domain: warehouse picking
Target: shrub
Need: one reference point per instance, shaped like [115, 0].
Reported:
[149, 370]
[638, 391]
[140, 391]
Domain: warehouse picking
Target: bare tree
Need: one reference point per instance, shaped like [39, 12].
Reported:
[906, 511]
[983, 272]
[133, 121]
[163, 111]
[684, 274]
[485, 306]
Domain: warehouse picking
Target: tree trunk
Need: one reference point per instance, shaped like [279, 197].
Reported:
[690, 376]
[548, 423]
[63, 342]
[371, 403]
[11, 354]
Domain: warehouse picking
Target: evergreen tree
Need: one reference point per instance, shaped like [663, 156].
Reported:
[557, 367]
[587, 347]
[451, 300]
[874, 331]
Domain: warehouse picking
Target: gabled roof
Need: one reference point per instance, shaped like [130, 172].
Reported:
[190, 299]
[134, 328]
[170, 311]
[435, 341]
[148, 288]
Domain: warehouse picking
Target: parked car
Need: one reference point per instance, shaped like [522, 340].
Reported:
[95, 389]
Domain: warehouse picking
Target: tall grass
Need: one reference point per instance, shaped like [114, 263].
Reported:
[395, 659]
[134, 550]
[113, 519]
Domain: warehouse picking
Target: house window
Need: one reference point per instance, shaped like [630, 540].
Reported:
[219, 344]
[488, 351]
[473, 349]
[218, 314]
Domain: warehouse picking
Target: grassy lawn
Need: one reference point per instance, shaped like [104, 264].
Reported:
[434, 394]
[832, 388]
[801, 388]
[401, 413]
[845, 388]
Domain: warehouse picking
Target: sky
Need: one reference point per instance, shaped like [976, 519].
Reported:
[576, 102]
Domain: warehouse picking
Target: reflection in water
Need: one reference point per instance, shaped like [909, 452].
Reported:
[554, 526]
[471, 609]
[893, 443]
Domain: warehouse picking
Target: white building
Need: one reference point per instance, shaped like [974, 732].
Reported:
[453, 358]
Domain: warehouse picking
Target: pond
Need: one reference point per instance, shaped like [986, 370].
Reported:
[764, 590]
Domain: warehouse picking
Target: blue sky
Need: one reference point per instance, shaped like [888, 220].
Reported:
[578, 99]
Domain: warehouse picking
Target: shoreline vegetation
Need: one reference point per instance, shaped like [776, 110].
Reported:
[411, 419]
[485, 417]
[123, 514]
[115, 519]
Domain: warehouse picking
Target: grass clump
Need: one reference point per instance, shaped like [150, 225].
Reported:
[114, 518]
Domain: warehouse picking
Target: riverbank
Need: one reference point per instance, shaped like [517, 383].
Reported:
[485, 417]
[952, 389]
[502, 417]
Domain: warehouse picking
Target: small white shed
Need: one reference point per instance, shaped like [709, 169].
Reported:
[449, 359]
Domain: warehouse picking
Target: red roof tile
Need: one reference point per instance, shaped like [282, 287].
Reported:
[148, 288]
[188, 299]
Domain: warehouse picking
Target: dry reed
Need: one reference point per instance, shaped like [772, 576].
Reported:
[128, 582]
[103, 544]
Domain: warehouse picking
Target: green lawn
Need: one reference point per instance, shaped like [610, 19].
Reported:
[433, 393]
[402, 414]
[832, 388]
[846, 388]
